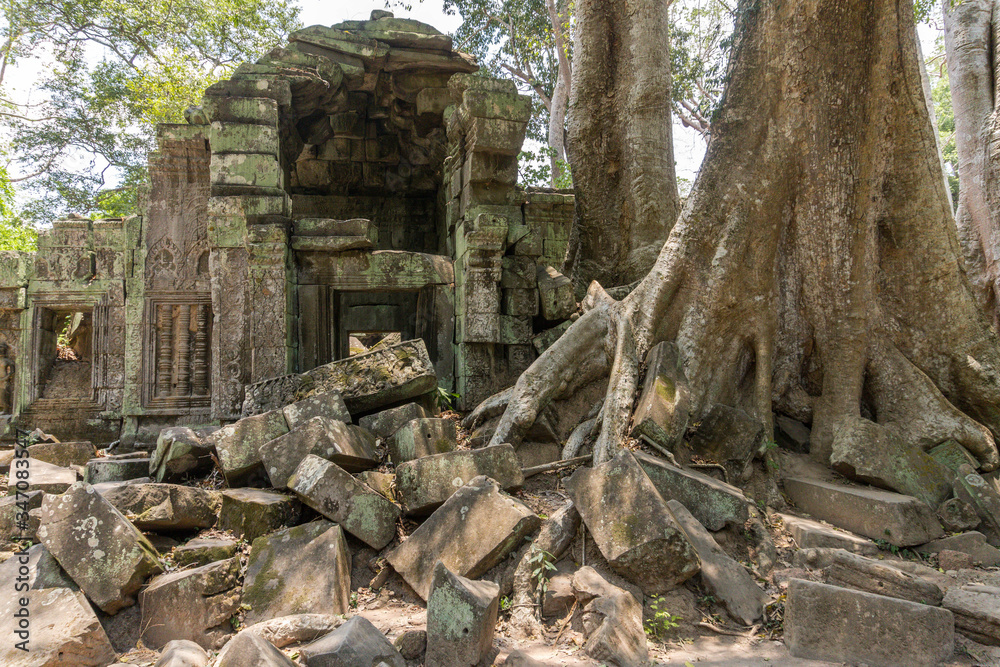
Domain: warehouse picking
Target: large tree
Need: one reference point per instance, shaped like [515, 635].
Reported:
[620, 140]
[970, 43]
[815, 269]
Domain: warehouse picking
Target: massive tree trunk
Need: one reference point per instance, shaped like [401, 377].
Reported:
[620, 142]
[970, 39]
[815, 269]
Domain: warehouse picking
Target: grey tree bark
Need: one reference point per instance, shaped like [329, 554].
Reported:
[560, 93]
[815, 269]
[970, 39]
[620, 143]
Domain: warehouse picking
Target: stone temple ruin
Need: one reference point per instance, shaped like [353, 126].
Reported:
[358, 182]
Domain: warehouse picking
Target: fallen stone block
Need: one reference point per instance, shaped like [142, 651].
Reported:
[841, 625]
[99, 548]
[809, 534]
[715, 504]
[36, 568]
[723, 577]
[384, 424]
[43, 477]
[952, 455]
[412, 644]
[632, 525]
[334, 493]
[555, 294]
[977, 611]
[180, 452]
[901, 520]
[301, 570]
[864, 574]
[204, 550]
[470, 533]
[248, 649]
[250, 513]
[10, 513]
[728, 436]
[366, 382]
[356, 642]
[973, 489]
[955, 560]
[383, 483]
[329, 405]
[972, 543]
[461, 619]
[238, 445]
[110, 469]
[63, 454]
[422, 437]
[166, 506]
[791, 434]
[182, 653]
[348, 446]
[866, 452]
[957, 516]
[296, 628]
[191, 604]
[661, 414]
[63, 631]
[425, 483]
[611, 620]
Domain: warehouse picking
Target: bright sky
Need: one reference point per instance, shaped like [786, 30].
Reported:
[689, 148]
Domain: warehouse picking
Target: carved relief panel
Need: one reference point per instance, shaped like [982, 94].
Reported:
[177, 355]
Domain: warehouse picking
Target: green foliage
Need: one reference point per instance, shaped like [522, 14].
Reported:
[944, 114]
[701, 37]
[505, 603]
[112, 70]
[446, 400]
[535, 168]
[663, 621]
[542, 565]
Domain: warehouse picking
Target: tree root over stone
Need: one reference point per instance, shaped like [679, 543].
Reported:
[815, 270]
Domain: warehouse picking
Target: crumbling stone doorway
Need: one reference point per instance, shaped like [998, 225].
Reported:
[63, 353]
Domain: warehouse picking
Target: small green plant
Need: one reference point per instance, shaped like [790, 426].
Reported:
[663, 621]
[446, 400]
[354, 601]
[504, 603]
[541, 562]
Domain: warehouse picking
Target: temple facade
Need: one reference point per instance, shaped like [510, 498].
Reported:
[359, 182]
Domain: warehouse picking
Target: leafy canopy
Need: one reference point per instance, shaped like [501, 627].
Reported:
[109, 71]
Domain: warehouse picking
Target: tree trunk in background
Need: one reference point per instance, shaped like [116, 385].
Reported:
[620, 142]
[815, 270]
[970, 36]
[560, 93]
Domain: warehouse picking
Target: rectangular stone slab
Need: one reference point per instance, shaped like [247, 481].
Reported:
[166, 506]
[422, 437]
[424, 483]
[334, 493]
[977, 611]
[349, 446]
[192, 604]
[632, 524]
[366, 381]
[840, 625]
[470, 533]
[881, 515]
[251, 513]
[715, 504]
[384, 424]
[99, 548]
[63, 625]
[809, 534]
[723, 577]
[329, 405]
[238, 445]
[300, 570]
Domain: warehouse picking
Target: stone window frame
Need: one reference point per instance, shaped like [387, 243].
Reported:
[171, 405]
[80, 302]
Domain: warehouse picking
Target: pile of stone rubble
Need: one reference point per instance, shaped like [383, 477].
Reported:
[249, 544]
